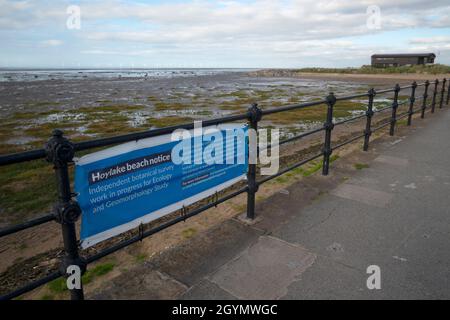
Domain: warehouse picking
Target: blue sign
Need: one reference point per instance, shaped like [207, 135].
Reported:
[137, 182]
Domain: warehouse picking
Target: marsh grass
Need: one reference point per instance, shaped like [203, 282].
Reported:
[342, 109]
[361, 166]
[304, 171]
[168, 121]
[26, 188]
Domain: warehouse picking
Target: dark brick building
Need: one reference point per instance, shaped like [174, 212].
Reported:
[395, 60]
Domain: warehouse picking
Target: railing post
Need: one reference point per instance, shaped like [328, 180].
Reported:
[425, 96]
[60, 152]
[369, 115]
[442, 93]
[433, 103]
[448, 93]
[412, 99]
[394, 110]
[328, 125]
[255, 115]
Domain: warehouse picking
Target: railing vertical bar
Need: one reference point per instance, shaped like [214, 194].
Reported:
[60, 152]
[435, 91]
[412, 99]
[448, 93]
[394, 110]
[329, 125]
[442, 93]
[255, 116]
[425, 96]
[369, 115]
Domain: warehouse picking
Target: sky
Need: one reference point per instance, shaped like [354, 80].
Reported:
[217, 34]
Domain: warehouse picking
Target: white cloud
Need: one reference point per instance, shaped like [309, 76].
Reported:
[51, 43]
[431, 40]
[285, 29]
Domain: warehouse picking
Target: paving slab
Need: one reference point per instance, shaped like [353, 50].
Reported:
[264, 270]
[190, 262]
[141, 283]
[362, 194]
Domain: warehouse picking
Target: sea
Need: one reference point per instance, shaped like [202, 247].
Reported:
[7, 75]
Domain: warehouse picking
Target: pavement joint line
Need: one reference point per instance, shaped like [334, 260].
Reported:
[324, 220]
[226, 290]
[391, 160]
[209, 280]
[405, 240]
[166, 276]
[251, 226]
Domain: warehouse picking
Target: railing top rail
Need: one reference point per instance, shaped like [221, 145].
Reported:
[385, 91]
[360, 95]
[293, 107]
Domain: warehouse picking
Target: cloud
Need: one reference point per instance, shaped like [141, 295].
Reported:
[51, 43]
[231, 22]
[431, 40]
[118, 53]
[277, 30]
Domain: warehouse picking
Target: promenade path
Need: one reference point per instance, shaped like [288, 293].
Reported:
[316, 239]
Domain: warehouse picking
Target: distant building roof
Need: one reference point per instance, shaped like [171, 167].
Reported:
[403, 55]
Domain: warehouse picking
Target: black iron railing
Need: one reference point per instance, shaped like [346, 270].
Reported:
[59, 152]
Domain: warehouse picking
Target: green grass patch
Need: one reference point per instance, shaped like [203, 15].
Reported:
[317, 113]
[26, 188]
[110, 108]
[105, 127]
[168, 121]
[189, 233]
[98, 271]
[58, 286]
[360, 166]
[306, 170]
[164, 106]
[141, 257]
[41, 103]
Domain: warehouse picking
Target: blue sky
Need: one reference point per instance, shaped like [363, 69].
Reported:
[199, 33]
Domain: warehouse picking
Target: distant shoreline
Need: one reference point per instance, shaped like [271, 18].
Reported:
[348, 76]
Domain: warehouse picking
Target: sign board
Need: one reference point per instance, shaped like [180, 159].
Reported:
[121, 187]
